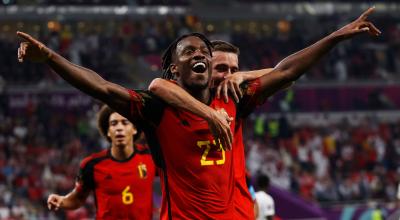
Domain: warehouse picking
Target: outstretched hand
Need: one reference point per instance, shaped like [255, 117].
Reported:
[54, 201]
[32, 49]
[219, 124]
[359, 26]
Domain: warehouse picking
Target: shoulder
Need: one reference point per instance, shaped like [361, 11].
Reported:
[94, 158]
[142, 149]
[269, 198]
[261, 195]
[250, 87]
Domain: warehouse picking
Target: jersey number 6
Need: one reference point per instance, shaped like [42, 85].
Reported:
[127, 197]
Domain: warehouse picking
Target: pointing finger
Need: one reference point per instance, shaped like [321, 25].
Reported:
[25, 36]
[365, 15]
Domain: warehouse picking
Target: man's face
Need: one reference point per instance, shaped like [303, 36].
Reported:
[192, 64]
[120, 130]
[223, 64]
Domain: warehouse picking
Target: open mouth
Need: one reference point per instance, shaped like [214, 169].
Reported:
[199, 67]
[120, 136]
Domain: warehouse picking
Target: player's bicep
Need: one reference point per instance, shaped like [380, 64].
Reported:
[84, 181]
[273, 82]
[252, 97]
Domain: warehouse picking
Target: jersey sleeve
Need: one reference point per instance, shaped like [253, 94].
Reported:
[85, 179]
[145, 107]
[252, 97]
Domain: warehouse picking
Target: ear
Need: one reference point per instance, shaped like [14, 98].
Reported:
[108, 134]
[174, 69]
[134, 130]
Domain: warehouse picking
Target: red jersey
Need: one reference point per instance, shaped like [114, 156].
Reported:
[244, 205]
[122, 189]
[196, 173]
[198, 178]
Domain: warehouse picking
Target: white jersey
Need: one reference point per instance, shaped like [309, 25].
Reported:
[266, 205]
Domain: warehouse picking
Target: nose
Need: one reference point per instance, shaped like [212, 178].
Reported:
[198, 55]
[119, 126]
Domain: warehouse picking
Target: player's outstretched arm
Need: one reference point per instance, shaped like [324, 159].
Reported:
[177, 97]
[72, 200]
[293, 66]
[83, 79]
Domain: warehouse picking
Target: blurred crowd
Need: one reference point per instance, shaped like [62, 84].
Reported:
[96, 2]
[136, 2]
[128, 51]
[329, 162]
[41, 147]
[40, 154]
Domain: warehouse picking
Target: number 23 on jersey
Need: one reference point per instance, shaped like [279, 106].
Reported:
[207, 147]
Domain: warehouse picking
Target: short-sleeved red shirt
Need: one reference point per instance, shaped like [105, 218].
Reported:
[122, 189]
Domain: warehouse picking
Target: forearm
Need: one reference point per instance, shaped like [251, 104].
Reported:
[293, 66]
[91, 83]
[254, 74]
[179, 98]
[73, 200]
[84, 79]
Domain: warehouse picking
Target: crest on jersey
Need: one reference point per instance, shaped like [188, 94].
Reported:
[142, 170]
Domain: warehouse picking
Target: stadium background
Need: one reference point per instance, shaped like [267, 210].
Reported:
[330, 144]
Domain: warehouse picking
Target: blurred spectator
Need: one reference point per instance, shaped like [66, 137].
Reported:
[333, 161]
[128, 51]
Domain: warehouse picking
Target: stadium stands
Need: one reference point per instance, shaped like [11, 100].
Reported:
[337, 160]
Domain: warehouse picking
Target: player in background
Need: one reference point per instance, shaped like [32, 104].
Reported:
[265, 203]
[121, 177]
[225, 62]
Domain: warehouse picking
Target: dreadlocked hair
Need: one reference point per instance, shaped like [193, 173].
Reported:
[169, 52]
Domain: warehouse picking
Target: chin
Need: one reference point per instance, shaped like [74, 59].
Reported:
[201, 85]
[120, 144]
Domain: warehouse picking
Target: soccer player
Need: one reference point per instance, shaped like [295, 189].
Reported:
[224, 63]
[196, 170]
[265, 203]
[121, 177]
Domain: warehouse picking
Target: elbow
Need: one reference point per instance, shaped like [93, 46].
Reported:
[156, 85]
[289, 74]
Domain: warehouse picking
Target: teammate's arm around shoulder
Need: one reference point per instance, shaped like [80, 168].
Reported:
[72, 200]
[82, 78]
[232, 82]
[174, 95]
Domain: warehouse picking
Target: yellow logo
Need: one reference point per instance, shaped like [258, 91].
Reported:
[142, 170]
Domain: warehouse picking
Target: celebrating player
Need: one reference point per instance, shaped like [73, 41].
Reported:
[225, 62]
[120, 177]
